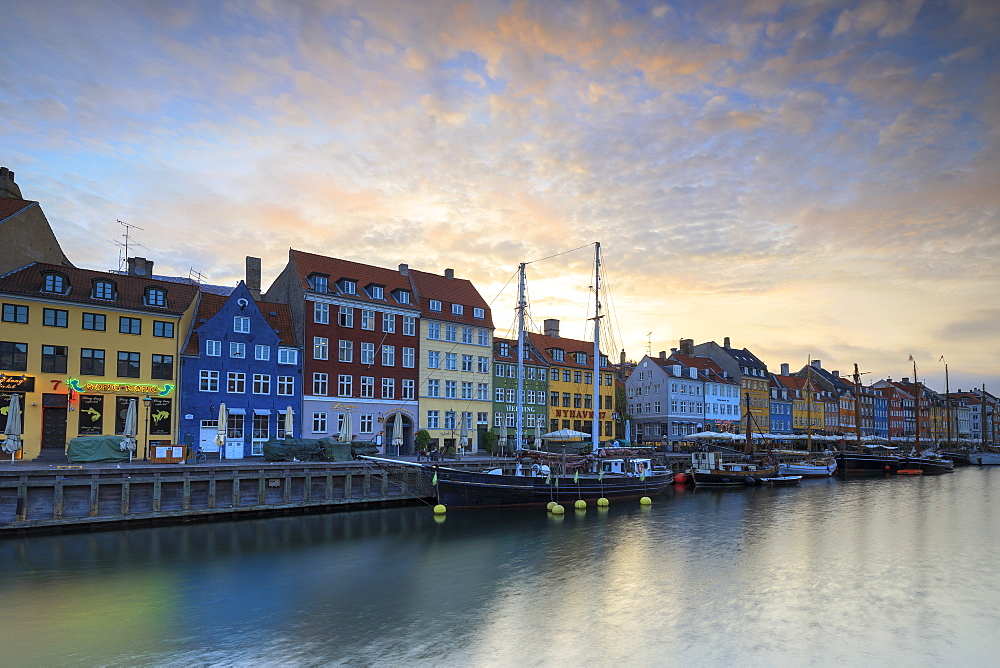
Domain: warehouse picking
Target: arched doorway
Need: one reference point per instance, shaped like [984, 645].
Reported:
[390, 434]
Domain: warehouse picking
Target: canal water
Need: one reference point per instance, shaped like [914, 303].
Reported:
[894, 571]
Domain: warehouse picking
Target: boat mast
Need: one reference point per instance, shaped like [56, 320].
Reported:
[857, 405]
[809, 408]
[947, 402]
[519, 424]
[982, 430]
[916, 437]
[595, 428]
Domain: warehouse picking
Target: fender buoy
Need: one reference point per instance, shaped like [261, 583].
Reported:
[886, 467]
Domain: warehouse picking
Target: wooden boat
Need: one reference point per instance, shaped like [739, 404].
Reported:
[781, 480]
[984, 458]
[865, 461]
[823, 467]
[710, 468]
[927, 462]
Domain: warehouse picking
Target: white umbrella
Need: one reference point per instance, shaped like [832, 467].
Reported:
[220, 431]
[628, 431]
[289, 421]
[538, 436]
[13, 430]
[131, 425]
[502, 443]
[397, 432]
[463, 441]
[565, 433]
[345, 428]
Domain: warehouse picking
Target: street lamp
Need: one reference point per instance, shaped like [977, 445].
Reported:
[145, 448]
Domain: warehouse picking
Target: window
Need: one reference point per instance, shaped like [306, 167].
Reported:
[367, 387]
[156, 297]
[349, 287]
[409, 325]
[345, 316]
[129, 325]
[450, 388]
[388, 388]
[566, 375]
[408, 389]
[511, 395]
[236, 382]
[554, 400]
[95, 322]
[103, 290]
[483, 364]
[558, 355]
[345, 385]
[162, 367]
[478, 313]
[451, 361]
[565, 399]
[433, 420]
[241, 324]
[321, 348]
[466, 390]
[15, 313]
[542, 373]
[367, 353]
[321, 384]
[451, 333]
[466, 362]
[319, 283]
[286, 386]
[54, 283]
[433, 388]
[213, 348]
[577, 377]
[588, 378]
[467, 334]
[499, 395]
[434, 305]
[367, 319]
[262, 353]
[389, 323]
[484, 337]
[433, 359]
[164, 330]
[14, 356]
[54, 317]
[409, 357]
[287, 356]
[457, 309]
[128, 365]
[449, 420]
[434, 331]
[403, 297]
[260, 432]
[581, 358]
[388, 355]
[321, 313]
[482, 391]
[377, 292]
[261, 383]
[237, 349]
[208, 381]
[319, 423]
[367, 423]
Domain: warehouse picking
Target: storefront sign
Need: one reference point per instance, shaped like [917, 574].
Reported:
[159, 416]
[91, 414]
[149, 389]
[16, 383]
[343, 407]
[583, 415]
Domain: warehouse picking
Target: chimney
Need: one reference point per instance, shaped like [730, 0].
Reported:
[551, 327]
[817, 364]
[784, 369]
[253, 277]
[687, 346]
[836, 374]
[725, 342]
[906, 380]
[663, 354]
[404, 269]
[622, 358]
[7, 186]
[139, 266]
[449, 273]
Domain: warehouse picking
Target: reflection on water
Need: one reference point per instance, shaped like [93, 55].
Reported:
[888, 571]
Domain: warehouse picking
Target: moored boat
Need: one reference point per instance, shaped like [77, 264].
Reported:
[866, 463]
[815, 468]
[781, 480]
[710, 468]
[927, 462]
[984, 458]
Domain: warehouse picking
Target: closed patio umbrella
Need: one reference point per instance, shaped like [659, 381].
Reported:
[220, 433]
[13, 430]
[289, 422]
[131, 427]
[538, 436]
[463, 441]
[397, 432]
[345, 428]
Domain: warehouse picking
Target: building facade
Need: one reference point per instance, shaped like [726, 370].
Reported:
[534, 396]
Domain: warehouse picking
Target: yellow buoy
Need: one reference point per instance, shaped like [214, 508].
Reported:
[602, 502]
[558, 510]
[645, 501]
[550, 504]
[439, 509]
[580, 504]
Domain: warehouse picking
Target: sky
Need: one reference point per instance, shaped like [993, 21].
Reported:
[813, 179]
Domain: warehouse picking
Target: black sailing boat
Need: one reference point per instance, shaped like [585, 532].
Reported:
[928, 461]
[859, 462]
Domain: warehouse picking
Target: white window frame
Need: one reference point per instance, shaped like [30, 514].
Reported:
[286, 386]
[241, 324]
[321, 313]
[321, 348]
[208, 381]
[213, 348]
[320, 384]
[262, 353]
[409, 325]
[368, 319]
[237, 350]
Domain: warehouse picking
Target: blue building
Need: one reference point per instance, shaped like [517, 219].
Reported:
[241, 353]
[780, 404]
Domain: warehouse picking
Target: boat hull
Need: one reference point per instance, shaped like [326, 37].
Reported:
[727, 478]
[809, 470]
[860, 464]
[928, 465]
[460, 489]
[984, 458]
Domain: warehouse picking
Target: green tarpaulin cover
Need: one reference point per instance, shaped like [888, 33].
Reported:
[96, 449]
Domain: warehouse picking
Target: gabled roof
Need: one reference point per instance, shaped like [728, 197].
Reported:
[10, 207]
[278, 316]
[545, 344]
[130, 290]
[307, 264]
[531, 356]
[707, 366]
[448, 291]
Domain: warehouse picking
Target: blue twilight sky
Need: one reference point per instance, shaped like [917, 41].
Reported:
[808, 178]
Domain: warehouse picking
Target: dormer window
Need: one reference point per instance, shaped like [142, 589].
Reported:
[402, 296]
[55, 283]
[457, 309]
[376, 292]
[504, 349]
[478, 313]
[318, 283]
[558, 354]
[581, 358]
[348, 287]
[435, 305]
[156, 297]
[104, 290]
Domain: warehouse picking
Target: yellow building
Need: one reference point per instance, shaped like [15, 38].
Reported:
[571, 386]
[77, 345]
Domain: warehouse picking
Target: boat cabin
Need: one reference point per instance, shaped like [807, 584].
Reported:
[630, 467]
[712, 461]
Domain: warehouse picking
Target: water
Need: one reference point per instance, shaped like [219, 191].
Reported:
[897, 571]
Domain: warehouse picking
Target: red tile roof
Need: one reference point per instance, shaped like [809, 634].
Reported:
[450, 291]
[211, 303]
[547, 343]
[531, 356]
[307, 264]
[9, 207]
[129, 290]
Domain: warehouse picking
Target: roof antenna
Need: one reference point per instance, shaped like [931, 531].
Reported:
[649, 344]
[122, 258]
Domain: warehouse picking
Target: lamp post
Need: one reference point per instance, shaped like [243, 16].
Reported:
[145, 448]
